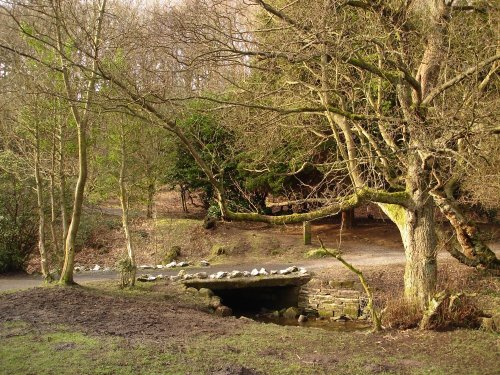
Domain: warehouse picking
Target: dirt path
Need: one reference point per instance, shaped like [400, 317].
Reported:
[374, 258]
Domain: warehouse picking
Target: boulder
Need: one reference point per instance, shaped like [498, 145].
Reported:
[201, 275]
[159, 266]
[204, 263]
[255, 272]
[171, 264]
[205, 292]
[182, 264]
[291, 313]
[145, 267]
[209, 223]
[171, 254]
[273, 272]
[223, 311]
[215, 302]
[96, 268]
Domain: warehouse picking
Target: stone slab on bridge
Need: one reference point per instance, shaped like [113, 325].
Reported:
[271, 281]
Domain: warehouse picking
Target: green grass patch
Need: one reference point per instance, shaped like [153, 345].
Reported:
[317, 253]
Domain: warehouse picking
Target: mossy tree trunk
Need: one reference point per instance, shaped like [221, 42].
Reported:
[417, 226]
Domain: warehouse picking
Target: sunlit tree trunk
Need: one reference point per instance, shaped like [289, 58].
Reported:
[62, 186]
[82, 120]
[124, 201]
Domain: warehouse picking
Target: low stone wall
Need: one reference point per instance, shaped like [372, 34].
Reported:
[333, 299]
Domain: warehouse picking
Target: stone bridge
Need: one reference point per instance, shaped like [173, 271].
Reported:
[276, 292]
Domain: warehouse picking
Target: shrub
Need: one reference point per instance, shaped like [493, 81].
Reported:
[400, 315]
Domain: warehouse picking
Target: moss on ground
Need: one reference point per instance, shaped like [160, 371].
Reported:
[268, 348]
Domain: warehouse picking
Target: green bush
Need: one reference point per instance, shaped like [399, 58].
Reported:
[18, 223]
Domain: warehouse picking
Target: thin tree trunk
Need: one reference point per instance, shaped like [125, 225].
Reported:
[183, 199]
[150, 202]
[125, 206]
[41, 215]
[81, 120]
[348, 219]
[53, 216]
[62, 188]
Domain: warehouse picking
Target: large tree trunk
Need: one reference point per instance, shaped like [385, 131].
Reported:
[418, 232]
[417, 225]
[419, 240]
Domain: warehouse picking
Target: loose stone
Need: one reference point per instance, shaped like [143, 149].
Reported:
[146, 278]
[263, 272]
[223, 311]
[302, 319]
[235, 274]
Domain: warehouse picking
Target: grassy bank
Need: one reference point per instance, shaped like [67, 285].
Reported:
[161, 330]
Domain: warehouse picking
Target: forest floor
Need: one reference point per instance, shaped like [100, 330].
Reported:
[159, 328]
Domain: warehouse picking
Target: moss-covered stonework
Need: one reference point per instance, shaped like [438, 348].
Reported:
[332, 299]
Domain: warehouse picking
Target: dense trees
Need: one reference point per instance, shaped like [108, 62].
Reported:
[333, 103]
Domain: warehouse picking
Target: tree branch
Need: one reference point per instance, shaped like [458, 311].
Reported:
[354, 200]
[445, 86]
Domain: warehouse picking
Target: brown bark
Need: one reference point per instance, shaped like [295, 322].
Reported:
[474, 251]
[150, 200]
[41, 214]
[81, 120]
[125, 209]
